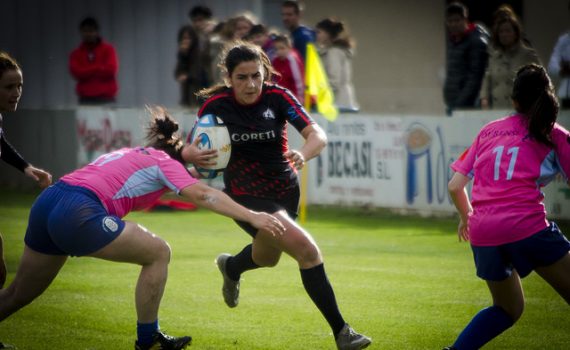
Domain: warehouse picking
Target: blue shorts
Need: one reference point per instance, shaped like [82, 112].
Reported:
[70, 220]
[495, 263]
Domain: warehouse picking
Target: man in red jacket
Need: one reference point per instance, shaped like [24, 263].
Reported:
[94, 65]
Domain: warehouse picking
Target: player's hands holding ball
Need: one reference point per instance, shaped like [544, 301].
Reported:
[201, 157]
[296, 158]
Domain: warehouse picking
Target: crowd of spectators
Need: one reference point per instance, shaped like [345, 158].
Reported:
[479, 69]
[481, 63]
[286, 51]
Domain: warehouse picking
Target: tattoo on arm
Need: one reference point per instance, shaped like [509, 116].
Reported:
[210, 199]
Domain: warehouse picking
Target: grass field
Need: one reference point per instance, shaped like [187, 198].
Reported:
[404, 281]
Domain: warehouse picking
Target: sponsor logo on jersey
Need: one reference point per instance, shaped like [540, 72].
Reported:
[268, 114]
[254, 136]
[109, 224]
[292, 113]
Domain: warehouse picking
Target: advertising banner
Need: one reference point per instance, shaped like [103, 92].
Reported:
[401, 162]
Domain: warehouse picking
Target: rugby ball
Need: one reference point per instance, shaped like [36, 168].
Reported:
[213, 134]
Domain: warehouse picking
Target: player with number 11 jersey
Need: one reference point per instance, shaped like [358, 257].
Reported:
[509, 168]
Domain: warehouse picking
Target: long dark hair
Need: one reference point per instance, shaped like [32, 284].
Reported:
[7, 63]
[515, 24]
[535, 98]
[234, 54]
[162, 133]
[337, 32]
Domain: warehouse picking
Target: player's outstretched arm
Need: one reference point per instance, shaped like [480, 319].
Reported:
[219, 202]
[42, 177]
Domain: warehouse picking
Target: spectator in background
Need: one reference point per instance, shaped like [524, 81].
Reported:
[289, 66]
[202, 24]
[466, 59]
[559, 67]
[336, 51]
[301, 35]
[188, 70]
[235, 28]
[508, 55]
[94, 65]
[507, 11]
[217, 42]
[201, 19]
[260, 36]
[238, 27]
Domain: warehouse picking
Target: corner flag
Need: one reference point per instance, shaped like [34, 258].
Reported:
[317, 85]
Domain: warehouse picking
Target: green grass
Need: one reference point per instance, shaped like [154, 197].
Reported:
[404, 281]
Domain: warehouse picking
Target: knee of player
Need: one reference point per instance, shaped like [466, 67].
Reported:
[514, 310]
[161, 250]
[308, 252]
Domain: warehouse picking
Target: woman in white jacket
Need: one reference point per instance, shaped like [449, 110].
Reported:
[336, 50]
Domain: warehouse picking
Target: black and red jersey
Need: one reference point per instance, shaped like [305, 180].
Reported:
[258, 166]
[9, 153]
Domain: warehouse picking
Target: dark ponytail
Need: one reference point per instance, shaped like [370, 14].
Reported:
[162, 133]
[535, 98]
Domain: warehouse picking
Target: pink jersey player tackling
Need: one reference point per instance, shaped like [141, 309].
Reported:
[142, 176]
[510, 160]
[81, 215]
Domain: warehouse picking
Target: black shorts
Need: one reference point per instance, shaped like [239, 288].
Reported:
[289, 203]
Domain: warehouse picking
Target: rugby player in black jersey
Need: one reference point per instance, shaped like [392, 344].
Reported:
[262, 175]
[11, 83]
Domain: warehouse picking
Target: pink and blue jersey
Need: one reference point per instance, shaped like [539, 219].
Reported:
[509, 168]
[131, 178]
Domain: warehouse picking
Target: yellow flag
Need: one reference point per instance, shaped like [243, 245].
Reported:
[317, 85]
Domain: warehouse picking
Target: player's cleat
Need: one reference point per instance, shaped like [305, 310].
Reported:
[161, 341]
[348, 339]
[7, 346]
[230, 289]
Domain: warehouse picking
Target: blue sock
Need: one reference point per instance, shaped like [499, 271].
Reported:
[145, 331]
[486, 325]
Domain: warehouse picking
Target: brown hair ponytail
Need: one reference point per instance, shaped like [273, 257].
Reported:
[162, 133]
[534, 95]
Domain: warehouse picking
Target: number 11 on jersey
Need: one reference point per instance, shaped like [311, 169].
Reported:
[513, 152]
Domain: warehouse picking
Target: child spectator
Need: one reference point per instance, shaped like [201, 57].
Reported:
[260, 36]
[289, 65]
